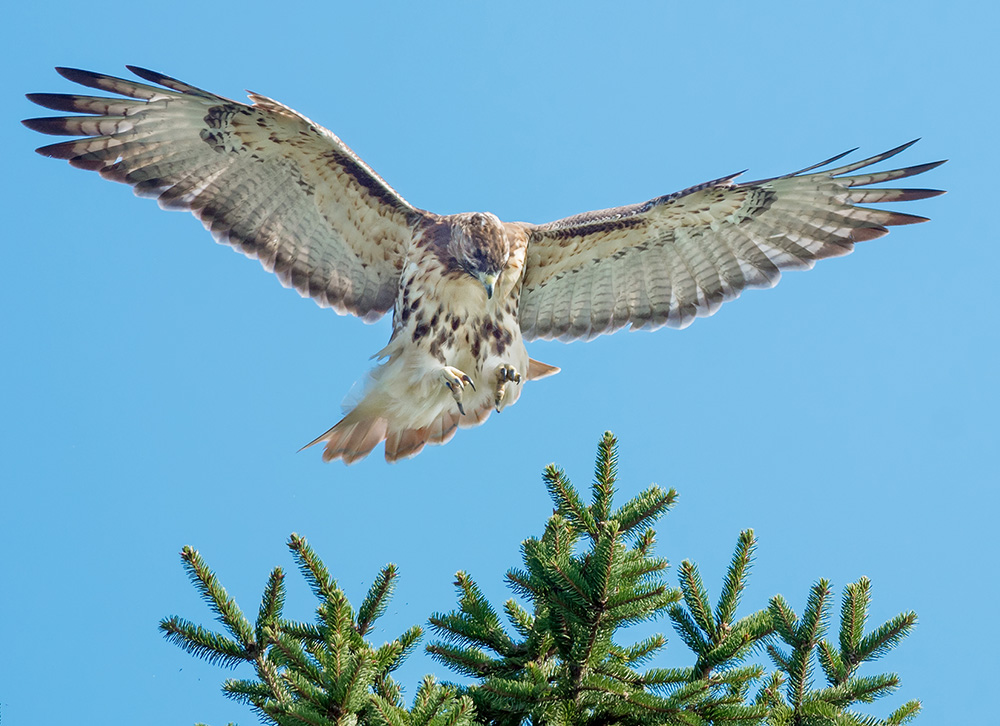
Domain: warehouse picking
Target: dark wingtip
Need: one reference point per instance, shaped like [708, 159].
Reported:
[936, 164]
[55, 101]
[169, 82]
[75, 74]
[725, 179]
[899, 218]
[147, 74]
[863, 234]
[840, 156]
[901, 148]
[61, 102]
[49, 152]
[56, 151]
[921, 168]
[50, 126]
[923, 194]
[832, 159]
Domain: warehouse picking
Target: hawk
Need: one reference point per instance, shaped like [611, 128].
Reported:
[465, 290]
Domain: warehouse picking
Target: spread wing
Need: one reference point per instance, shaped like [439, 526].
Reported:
[680, 256]
[261, 178]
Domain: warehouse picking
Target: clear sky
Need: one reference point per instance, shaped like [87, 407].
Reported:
[157, 385]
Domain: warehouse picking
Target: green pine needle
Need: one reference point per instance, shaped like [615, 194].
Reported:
[519, 618]
[832, 664]
[196, 640]
[886, 637]
[815, 616]
[853, 613]
[904, 714]
[689, 631]
[271, 604]
[377, 600]
[605, 475]
[785, 621]
[312, 567]
[640, 512]
[225, 608]
[736, 577]
[568, 502]
[696, 598]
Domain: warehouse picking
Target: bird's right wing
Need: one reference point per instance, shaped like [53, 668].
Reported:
[260, 177]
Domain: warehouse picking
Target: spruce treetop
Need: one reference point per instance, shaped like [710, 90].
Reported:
[555, 657]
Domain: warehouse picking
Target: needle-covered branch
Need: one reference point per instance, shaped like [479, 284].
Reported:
[319, 673]
[846, 688]
[558, 653]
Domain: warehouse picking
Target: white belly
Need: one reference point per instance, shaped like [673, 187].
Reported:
[453, 324]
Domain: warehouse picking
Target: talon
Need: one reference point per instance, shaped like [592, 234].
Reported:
[456, 380]
[505, 373]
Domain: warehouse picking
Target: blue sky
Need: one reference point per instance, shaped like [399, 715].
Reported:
[158, 385]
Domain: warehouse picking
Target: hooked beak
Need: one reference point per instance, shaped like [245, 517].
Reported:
[489, 282]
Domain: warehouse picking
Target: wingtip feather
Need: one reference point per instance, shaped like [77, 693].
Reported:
[143, 72]
[61, 150]
[155, 77]
[78, 75]
[863, 234]
[169, 82]
[41, 125]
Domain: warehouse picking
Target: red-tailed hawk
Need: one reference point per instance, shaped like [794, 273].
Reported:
[465, 290]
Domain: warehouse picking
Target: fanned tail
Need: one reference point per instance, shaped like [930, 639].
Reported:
[352, 438]
[357, 434]
[407, 443]
[373, 415]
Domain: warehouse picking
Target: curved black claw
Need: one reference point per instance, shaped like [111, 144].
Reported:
[456, 380]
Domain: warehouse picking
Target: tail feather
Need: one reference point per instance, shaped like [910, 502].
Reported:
[443, 429]
[353, 438]
[406, 443]
[364, 436]
[403, 444]
[400, 444]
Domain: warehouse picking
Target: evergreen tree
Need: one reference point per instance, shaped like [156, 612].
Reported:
[324, 673]
[591, 574]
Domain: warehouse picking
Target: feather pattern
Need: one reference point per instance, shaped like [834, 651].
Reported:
[466, 289]
[679, 257]
[262, 178]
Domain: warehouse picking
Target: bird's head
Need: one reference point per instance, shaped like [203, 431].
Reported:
[480, 247]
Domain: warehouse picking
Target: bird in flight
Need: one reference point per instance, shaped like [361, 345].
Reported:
[465, 290]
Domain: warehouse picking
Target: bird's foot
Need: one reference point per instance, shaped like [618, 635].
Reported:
[506, 373]
[456, 380]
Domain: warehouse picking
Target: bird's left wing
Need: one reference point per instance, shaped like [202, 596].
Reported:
[260, 177]
[680, 256]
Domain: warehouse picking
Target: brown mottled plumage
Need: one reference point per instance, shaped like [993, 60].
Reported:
[463, 288]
